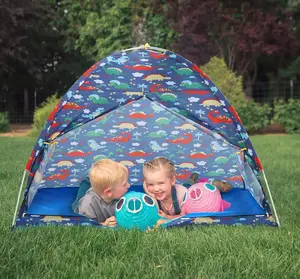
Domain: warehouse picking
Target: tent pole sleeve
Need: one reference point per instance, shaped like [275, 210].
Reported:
[145, 47]
[18, 200]
[271, 199]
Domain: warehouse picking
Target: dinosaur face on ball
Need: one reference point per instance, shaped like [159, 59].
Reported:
[136, 210]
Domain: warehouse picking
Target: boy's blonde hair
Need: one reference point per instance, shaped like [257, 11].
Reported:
[106, 173]
[160, 163]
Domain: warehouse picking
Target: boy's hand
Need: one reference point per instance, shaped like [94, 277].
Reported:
[110, 222]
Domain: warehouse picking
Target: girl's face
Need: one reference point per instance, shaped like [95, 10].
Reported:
[159, 183]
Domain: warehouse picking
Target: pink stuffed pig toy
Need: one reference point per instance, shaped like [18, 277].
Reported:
[204, 197]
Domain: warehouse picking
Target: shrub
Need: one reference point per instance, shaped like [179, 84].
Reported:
[288, 115]
[4, 122]
[42, 113]
[227, 81]
[254, 116]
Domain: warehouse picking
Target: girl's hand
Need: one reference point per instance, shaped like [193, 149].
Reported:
[110, 222]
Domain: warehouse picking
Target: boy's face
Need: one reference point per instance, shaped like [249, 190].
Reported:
[119, 189]
[159, 183]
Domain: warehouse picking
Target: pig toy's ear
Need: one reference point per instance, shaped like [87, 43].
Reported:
[225, 205]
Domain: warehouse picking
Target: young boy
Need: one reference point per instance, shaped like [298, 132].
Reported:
[109, 182]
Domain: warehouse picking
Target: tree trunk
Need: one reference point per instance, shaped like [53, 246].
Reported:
[26, 102]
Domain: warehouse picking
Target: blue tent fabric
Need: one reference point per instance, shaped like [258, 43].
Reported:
[134, 106]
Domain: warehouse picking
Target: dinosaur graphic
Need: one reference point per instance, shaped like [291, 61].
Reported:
[140, 67]
[64, 163]
[124, 138]
[62, 175]
[140, 115]
[156, 147]
[183, 175]
[93, 114]
[186, 126]
[215, 145]
[138, 153]
[199, 155]
[167, 97]
[117, 84]
[87, 88]
[186, 165]
[157, 87]
[94, 145]
[125, 125]
[157, 55]
[163, 120]
[192, 85]
[234, 178]
[95, 133]
[219, 118]
[185, 139]
[112, 71]
[72, 106]
[158, 134]
[182, 71]
[77, 153]
[153, 77]
[195, 91]
[211, 102]
[129, 93]
[224, 160]
[96, 99]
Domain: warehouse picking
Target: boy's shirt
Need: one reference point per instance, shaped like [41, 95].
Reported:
[94, 207]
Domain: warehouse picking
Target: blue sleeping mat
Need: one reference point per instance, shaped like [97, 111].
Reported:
[58, 202]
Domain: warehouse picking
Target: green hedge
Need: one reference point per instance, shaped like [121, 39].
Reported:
[41, 115]
[254, 116]
[288, 115]
[226, 80]
[4, 122]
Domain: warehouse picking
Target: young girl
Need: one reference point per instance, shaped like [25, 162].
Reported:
[160, 178]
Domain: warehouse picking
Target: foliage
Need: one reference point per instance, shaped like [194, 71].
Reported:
[234, 31]
[98, 28]
[288, 114]
[254, 116]
[4, 122]
[227, 81]
[42, 113]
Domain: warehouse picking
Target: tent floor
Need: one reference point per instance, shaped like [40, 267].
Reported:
[58, 201]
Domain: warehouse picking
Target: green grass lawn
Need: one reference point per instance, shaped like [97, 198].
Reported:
[200, 252]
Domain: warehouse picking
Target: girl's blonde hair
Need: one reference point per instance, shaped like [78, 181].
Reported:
[106, 173]
[160, 163]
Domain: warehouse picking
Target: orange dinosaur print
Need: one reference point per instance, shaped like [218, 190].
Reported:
[200, 155]
[185, 139]
[73, 106]
[183, 175]
[234, 178]
[59, 176]
[140, 67]
[140, 115]
[138, 153]
[126, 137]
[218, 118]
[77, 153]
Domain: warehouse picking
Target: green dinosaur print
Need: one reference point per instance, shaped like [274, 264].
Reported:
[182, 71]
[96, 99]
[167, 97]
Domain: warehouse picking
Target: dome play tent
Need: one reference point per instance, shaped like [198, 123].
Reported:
[132, 106]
